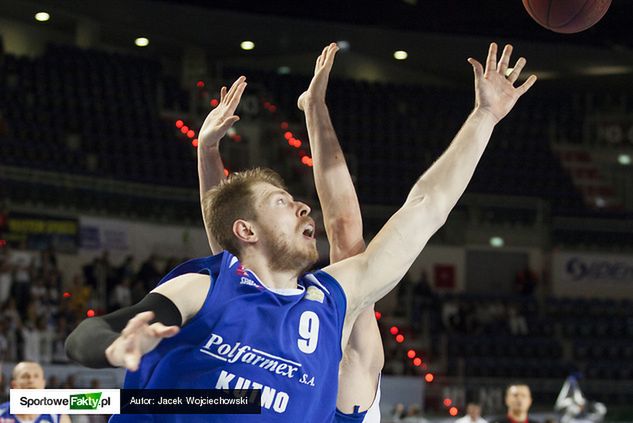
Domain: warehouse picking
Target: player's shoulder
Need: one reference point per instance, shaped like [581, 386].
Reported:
[4, 409]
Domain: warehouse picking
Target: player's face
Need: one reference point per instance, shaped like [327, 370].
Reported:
[285, 229]
[28, 376]
[519, 398]
[474, 411]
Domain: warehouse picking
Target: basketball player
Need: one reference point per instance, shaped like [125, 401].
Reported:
[363, 356]
[518, 401]
[29, 375]
[256, 321]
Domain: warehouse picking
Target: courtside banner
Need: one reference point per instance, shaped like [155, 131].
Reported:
[64, 401]
[135, 401]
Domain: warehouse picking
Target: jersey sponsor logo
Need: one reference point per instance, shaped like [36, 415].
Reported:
[271, 398]
[239, 270]
[217, 348]
[314, 294]
[249, 282]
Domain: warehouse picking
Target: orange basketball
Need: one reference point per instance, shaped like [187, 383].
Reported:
[567, 16]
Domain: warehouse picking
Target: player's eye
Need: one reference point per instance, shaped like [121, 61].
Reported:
[281, 201]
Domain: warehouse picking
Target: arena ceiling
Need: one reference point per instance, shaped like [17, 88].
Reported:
[438, 34]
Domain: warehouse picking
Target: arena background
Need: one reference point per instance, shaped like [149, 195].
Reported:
[531, 278]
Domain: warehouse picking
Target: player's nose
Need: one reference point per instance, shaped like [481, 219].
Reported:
[303, 209]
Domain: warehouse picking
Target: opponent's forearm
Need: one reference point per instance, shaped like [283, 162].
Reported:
[339, 202]
[400, 241]
[446, 180]
[87, 343]
[90, 339]
[210, 174]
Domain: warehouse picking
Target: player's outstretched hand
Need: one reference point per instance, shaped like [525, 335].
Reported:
[220, 119]
[137, 339]
[318, 85]
[494, 87]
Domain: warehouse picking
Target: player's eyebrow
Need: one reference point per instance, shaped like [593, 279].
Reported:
[278, 191]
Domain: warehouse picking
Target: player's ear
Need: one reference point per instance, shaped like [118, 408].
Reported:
[244, 231]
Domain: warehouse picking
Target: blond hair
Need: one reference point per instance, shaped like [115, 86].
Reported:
[234, 199]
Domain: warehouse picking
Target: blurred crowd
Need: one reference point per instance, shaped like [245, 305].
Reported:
[39, 308]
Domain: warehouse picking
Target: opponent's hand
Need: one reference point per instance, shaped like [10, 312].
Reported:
[220, 119]
[318, 85]
[494, 91]
[137, 339]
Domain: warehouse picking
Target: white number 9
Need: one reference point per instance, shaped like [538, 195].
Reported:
[309, 332]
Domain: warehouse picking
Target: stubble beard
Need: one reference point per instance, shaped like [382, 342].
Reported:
[285, 257]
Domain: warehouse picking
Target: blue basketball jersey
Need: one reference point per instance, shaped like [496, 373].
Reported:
[7, 417]
[285, 342]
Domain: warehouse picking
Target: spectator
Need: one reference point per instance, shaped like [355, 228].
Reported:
[28, 375]
[4, 390]
[518, 401]
[473, 414]
[414, 415]
[53, 382]
[149, 273]
[126, 269]
[4, 342]
[59, 337]
[398, 412]
[70, 382]
[31, 349]
[516, 322]
[22, 284]
[6, 278]
[122, 295]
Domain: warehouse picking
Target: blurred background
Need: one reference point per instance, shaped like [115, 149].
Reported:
[530, 279]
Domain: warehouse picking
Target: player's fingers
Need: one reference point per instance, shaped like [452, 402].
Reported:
[478, 69]
[222, 93]
[522, 89]
[132, 360]
[237, 96]
[491, 60]
[333, 48]
[236, 84]
[518, 67]
[137, 322]
[323, 56]
[161, 331]
[131, 352]
[505, 59]
[230, 121]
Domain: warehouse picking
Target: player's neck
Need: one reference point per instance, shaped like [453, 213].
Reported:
[518, 416]
[271, 278]
[27, 417]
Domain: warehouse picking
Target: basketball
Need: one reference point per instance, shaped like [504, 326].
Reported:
[567, 16]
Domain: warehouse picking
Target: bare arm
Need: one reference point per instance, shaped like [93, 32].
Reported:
[393, 250]
[210, 166]
[341, 211]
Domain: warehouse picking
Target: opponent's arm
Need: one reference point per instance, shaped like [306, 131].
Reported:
[210, 166]
[121, 338]
[335, 189]
[393, 250]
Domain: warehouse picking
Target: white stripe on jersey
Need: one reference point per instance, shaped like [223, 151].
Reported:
[313, 279]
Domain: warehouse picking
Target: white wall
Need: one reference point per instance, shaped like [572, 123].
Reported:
[123, 237]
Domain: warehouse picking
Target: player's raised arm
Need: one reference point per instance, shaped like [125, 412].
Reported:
[210, 166]
[341, 211]
[400, 241]
[121, 338]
